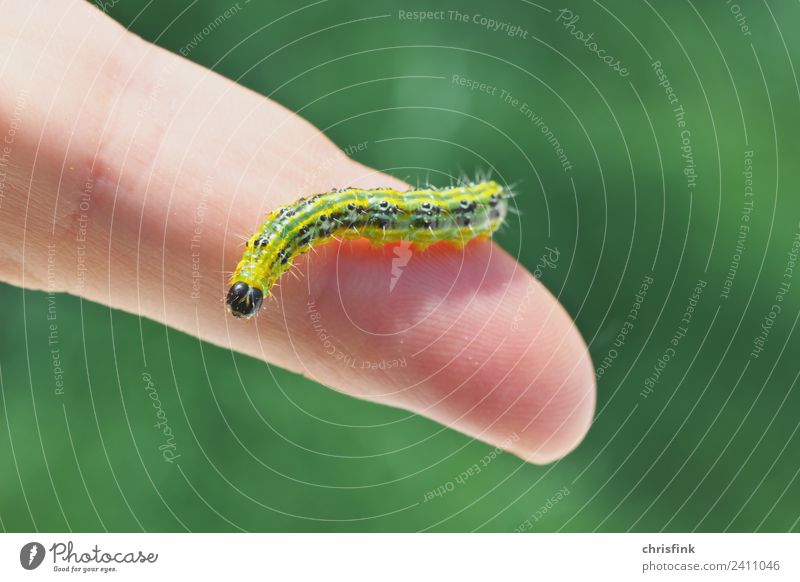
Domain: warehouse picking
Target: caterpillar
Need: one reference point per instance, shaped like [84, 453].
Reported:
[423, 217]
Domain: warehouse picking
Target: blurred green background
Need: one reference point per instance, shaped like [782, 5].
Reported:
[712, 446]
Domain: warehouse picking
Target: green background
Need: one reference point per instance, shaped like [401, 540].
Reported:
[713, 447]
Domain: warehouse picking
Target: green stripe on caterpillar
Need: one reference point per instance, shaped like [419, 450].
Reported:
[455, 215]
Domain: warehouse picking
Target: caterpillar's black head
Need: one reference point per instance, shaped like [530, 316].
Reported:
[243, 300]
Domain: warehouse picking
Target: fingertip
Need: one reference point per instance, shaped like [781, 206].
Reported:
[489, 351]
[568, 419]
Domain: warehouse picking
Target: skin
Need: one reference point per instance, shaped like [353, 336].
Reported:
[150, 136]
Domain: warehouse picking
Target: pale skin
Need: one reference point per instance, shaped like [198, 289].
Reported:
[118, 146]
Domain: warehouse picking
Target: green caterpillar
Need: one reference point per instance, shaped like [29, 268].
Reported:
[423, 217]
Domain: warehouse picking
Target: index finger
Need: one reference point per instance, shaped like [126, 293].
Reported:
[181, 163]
